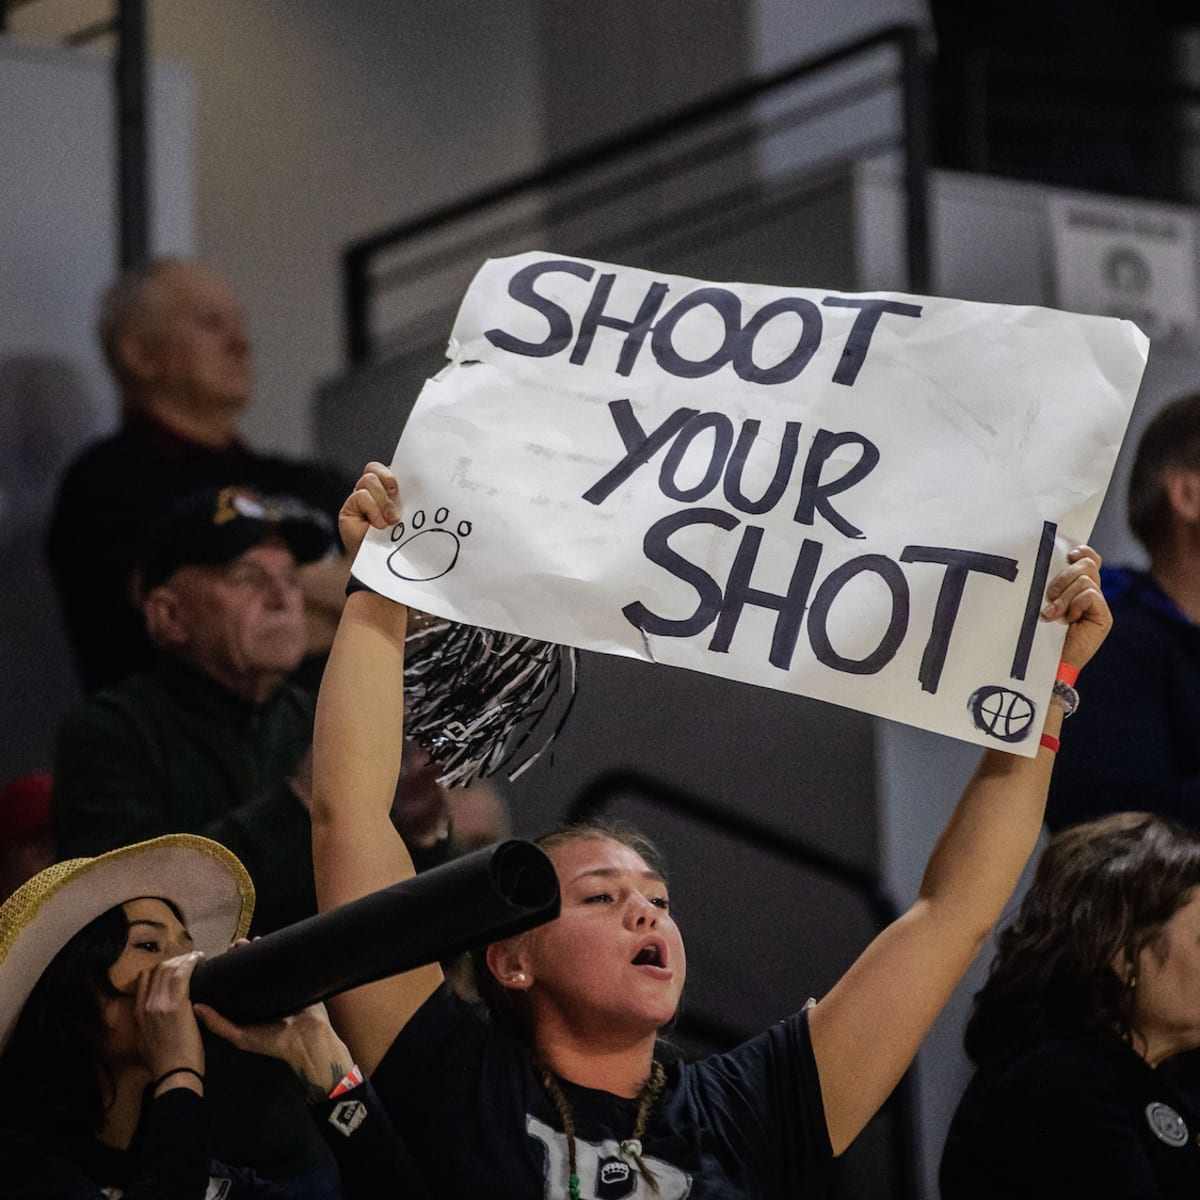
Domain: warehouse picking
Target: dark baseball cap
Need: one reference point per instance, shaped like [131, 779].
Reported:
[214, 526]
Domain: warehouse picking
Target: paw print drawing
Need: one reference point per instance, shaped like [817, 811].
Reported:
[426, 551]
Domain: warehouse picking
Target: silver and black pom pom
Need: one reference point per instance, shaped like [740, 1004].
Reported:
[481, 702]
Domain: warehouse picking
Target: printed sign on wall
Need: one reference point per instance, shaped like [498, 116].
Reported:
[1127, 259]
[858, 498]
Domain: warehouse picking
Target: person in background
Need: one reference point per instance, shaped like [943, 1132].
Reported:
[211, 739]
[1136, 742]
[102, 1068]
[1092, 998]
[175, 339]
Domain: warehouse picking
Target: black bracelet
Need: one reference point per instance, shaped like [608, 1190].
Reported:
[179, 1071]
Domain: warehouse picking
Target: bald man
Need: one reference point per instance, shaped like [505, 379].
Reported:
[175, 338]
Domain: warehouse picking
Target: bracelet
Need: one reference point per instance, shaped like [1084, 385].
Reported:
[352, 1079]
[179, 1071]
[1066, 696]
[1050, 742]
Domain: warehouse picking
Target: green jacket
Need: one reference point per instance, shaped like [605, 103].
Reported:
[174, 752]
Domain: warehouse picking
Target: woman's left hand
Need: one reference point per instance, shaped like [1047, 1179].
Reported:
[305, 1041]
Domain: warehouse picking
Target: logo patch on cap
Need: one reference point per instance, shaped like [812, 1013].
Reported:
[1166, 1124]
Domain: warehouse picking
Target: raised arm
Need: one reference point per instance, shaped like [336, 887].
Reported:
[866, 1031]
[356, 761]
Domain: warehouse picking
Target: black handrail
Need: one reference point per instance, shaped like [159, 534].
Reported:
[613, 785]
[356, 258]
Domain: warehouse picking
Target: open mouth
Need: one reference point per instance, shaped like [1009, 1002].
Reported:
[652, 954]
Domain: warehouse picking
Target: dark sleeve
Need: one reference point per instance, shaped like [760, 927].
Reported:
[90, 549]
[173, 1162]
[1130, 743]
[367, 1147]
[173, 1155]
[763, 1101]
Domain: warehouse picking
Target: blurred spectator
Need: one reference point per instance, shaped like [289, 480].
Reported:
[26, 844]
[216, 740]
[175, 338]
[1135, 740]
[479, 814]
[208, 741]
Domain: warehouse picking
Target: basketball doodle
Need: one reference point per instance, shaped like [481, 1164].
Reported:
[1002, 713]
[429, 551]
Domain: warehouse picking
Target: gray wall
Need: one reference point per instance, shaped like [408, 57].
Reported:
[58, 247]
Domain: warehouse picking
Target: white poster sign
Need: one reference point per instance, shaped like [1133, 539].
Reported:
[858, 498]
[1127, 258]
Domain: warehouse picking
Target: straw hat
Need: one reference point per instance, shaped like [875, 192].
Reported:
[206, 882]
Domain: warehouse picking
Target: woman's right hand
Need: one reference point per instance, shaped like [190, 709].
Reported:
[1075, 596]
[374, 503]
[166, 1025]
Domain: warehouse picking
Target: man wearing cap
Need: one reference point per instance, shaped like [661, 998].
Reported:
[175, 339]
[210, 740]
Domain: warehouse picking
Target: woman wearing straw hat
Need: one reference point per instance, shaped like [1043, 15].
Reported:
[101, 1059]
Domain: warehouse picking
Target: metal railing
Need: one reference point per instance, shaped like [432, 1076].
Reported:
[363, 280]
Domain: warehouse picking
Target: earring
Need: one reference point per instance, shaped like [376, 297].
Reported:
[519, 977]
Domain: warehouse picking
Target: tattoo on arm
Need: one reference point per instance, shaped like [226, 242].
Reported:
[315, 1091]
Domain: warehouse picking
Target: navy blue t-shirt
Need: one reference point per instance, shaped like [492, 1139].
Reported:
[464, 1096]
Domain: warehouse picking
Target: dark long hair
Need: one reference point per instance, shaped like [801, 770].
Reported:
[1103, 891]
[52, 1081]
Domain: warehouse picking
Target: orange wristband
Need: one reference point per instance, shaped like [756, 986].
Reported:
[1067, 673]
[352, 1079]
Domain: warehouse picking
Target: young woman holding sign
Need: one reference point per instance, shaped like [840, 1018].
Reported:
[562, 1094]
